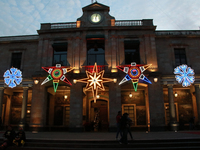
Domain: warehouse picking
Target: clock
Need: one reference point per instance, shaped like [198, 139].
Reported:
[95, 18]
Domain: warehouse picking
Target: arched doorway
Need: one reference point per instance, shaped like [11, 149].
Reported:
[99, 115]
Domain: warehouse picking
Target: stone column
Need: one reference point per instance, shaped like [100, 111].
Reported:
[173, 123]
[113, 52]
[156, 106]
[150, 50]
[76, 108]
[51, 110]
[8, 110]
[24, 107]
[197, 92]
[121, 50]
[38, 107]
[1, 100]
[114, 104]
[76, 56]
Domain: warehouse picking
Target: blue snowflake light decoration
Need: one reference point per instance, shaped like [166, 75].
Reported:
[185, 75]
[12, 77]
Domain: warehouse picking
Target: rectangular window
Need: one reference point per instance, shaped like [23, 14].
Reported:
[180, 56]
[96, 51]
[131, 50]
[60, 54]
[16, 60]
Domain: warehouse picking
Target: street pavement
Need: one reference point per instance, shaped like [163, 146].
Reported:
[110, 136]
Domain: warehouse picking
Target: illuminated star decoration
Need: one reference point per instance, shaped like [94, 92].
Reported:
[185, 75]
[134, 73]
[56, 74]
[95, 81]
[12, 77]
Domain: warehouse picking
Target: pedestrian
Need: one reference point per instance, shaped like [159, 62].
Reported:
[129, 127]
[118, 118]
[191, 123]
[124, 128]
[0, 123]
[20, 138]
[10, 136]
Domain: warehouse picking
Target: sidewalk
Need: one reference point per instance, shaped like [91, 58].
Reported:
[110, 136]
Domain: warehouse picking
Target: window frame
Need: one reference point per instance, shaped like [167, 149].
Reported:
[134, 50]
[95, 56]
[16, 59]
[180, 56]
[60, 53]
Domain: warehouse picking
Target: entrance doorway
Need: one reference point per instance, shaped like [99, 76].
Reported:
[167, 113]
[99, 115]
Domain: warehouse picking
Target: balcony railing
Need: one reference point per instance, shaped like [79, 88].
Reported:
[63, 25]
[128, 23]
[144, 22]
[90, 68]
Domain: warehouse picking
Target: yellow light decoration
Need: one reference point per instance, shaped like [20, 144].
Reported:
[95, 81]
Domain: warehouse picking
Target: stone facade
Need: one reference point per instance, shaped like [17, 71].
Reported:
[152, 107]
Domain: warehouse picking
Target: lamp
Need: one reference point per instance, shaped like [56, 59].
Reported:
[36, 81]
[74, 81]
[98, 96]
[130, 95]
[155, 79]
[115, 80]
[65, 96]
[175, 94]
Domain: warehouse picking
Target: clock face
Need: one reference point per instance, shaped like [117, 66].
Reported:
[95, 18]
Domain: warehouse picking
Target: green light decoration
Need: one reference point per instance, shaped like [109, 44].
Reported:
[57, 73]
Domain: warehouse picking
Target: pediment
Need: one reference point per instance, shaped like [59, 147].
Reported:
[96, 6]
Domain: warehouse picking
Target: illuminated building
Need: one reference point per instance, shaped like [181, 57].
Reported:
[96, 37]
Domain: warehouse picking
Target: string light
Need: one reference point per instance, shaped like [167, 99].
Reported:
[134, 73]
[56, 74]
[95, 81]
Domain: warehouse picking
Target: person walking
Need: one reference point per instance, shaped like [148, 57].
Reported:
[191, 123]
[124, 128]
[118, 118]
[129, 126]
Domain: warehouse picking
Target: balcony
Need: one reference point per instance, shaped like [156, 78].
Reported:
[144, 22]
[63, 25]
[128, 23]
[68, 25]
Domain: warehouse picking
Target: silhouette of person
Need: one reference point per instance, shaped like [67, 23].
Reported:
[118, 118]
[129, 127]
[124, 127]
[10, 136]
[20, 137]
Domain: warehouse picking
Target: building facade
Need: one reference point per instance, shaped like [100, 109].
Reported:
[96, 37]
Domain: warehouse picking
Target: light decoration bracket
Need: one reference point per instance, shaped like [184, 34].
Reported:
[184, 75]
[12, 77]
[57, 73]
[95, 81]
[134, 73]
